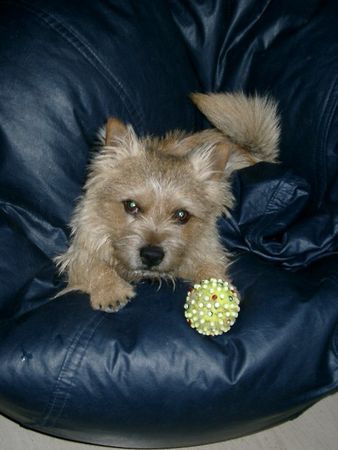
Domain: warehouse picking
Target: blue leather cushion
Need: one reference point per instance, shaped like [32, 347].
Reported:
[143, 377]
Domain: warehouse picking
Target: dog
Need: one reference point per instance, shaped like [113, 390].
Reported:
[150, 204]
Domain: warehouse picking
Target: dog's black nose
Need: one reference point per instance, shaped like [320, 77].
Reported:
[151, 255]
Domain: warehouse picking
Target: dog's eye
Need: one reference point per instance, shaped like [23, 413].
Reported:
[131, 207]
[181, 216]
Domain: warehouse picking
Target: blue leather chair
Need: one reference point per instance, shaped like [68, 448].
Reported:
[143, 377]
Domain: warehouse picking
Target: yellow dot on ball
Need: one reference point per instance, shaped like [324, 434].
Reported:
[212, 307]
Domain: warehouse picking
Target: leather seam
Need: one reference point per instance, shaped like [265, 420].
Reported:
[82, 46]
[70, 365]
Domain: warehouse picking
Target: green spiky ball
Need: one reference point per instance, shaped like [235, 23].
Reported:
[212, 307]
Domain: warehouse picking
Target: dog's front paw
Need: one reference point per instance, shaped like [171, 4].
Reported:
[112, 299]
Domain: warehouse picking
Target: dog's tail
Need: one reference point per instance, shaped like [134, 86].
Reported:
[250, 122]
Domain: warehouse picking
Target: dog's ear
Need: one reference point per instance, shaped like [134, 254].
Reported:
[120, 139]
[208, 151]
[209, 160]
[115, 129]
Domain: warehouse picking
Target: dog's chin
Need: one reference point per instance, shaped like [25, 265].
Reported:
[142, 273]
[151, 274]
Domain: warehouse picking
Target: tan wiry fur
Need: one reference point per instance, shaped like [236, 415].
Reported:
[165, 177]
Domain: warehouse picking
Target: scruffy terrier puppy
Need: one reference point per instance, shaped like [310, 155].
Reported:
[150, 204]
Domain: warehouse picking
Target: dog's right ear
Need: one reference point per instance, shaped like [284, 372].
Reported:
[115, 129]
[121, 139]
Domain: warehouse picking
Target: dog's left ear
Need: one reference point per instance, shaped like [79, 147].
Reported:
[210, 160]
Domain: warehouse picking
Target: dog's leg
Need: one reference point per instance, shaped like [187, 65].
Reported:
[108, 291]
[93, 272]
[198, 267]
[204, 271]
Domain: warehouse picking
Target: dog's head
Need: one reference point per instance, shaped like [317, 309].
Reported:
[157, 196]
